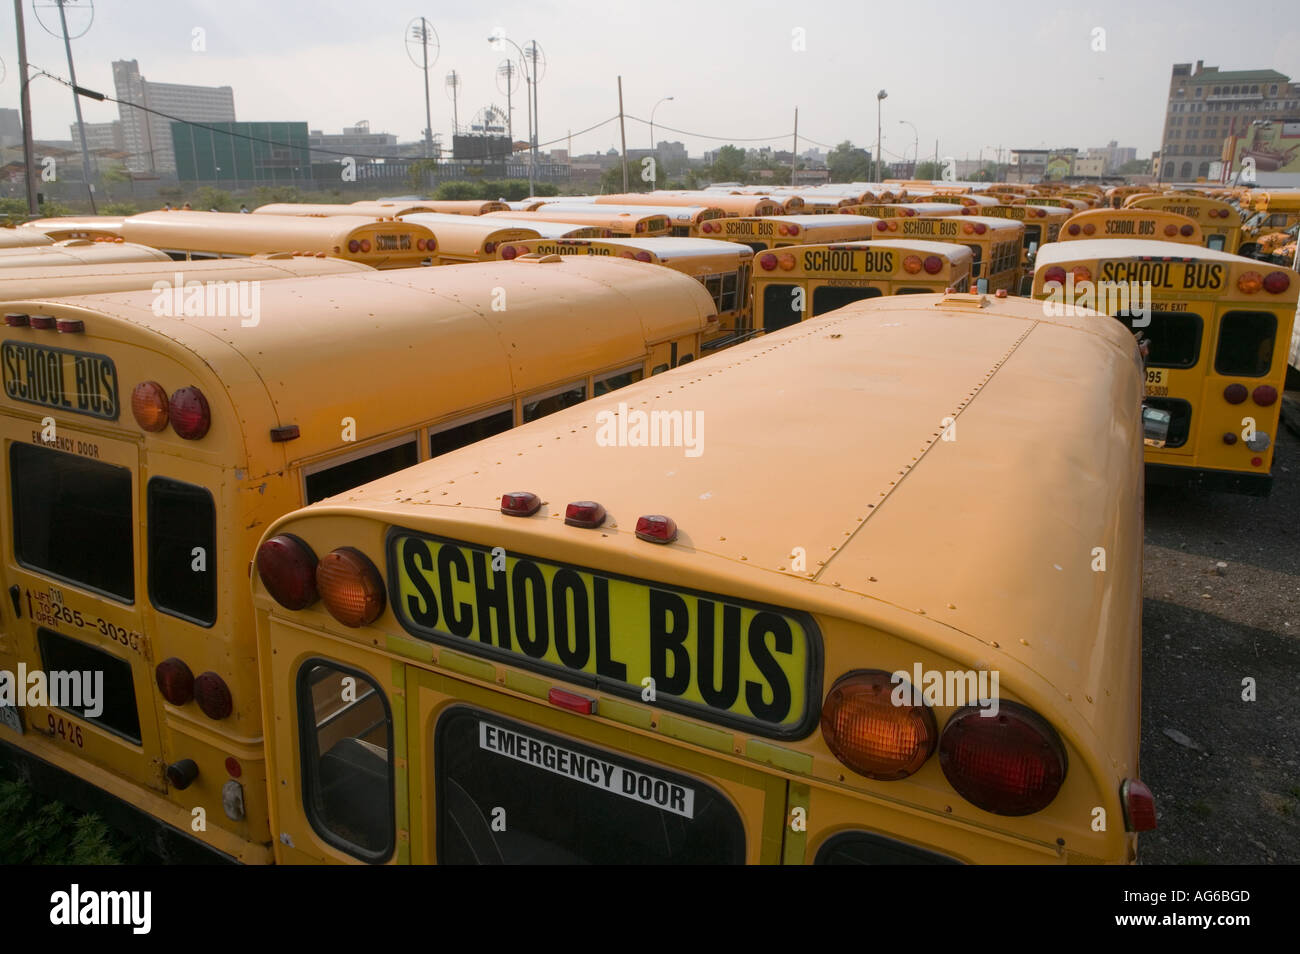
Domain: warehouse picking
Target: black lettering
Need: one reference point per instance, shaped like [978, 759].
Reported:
[421, 606]
[760, 626]
[668, 639]
[460, 617]
[678, 800]
[533, 639]
[493, 602]
[723, 696]
[606, 665]
[567, 582]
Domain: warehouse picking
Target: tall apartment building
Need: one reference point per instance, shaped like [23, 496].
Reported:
[147, 136]
[1207, 105]
[11, 128]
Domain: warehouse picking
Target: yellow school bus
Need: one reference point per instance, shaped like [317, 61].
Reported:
[445, 206]
[146, 453]
[190, 236]
[997, 245]
[1056, 201]
[1220, 222]
[1132, 223]
[542, 650]
[1116, 195]
[898, 210]
[1042, 225]
[378, 210]
[1218, 327]
[685, 221]
[554, 230]
[23, 238]
[1281, 210]
[764, 232]
[746, 205]
[619, 224]
[78, 252]
[61, 281]
[91, 227]
[959, 198]
[467, 238]
[723, 268]
[802, 283]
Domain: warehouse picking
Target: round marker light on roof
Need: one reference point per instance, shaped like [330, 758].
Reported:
[149, 405]
[354, 246]
[869, 733]
[584, 513]
[933, 264]
[175, 681]
[189, 414]
[1250, 282]
[520, 503]
[912, 264]
[1276, 282]
[1012, 763]
[786, 261]
[287, 568]
[1264, 395]
[656, 528]
[1089, 228]
[350, 587]
[213, 696]
[508, 252]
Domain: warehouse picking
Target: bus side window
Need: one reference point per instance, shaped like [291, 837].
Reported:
[621, 379]
[659, 369]
[1245, 345]
[345, 738]
[182, 542]
[555, 401]
[326, 480]
[468, 432]
[61, 654]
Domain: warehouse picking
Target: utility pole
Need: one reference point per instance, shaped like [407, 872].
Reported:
[622, 133]
[76, 104]
[794, 148]
[25, 98]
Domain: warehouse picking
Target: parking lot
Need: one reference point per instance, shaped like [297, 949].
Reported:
[1225, 771]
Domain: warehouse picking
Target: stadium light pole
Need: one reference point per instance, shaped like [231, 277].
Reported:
[529, 80]
[654, 179]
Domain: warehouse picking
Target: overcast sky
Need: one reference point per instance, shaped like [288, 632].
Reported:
[1013, 73]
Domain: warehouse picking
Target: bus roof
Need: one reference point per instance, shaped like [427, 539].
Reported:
[544, 227]
[667, 248]
[23, 238]
[841, 417]
[79, 252]
[1056, 252]
[389, 339]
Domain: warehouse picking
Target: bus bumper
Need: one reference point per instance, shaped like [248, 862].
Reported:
[1201, 478]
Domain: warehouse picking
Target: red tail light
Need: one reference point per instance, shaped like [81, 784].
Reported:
[1276, 282]
[584, 513]
[642, 256]
[213, 696]
[42, 322]
[365, 245]
[1171, 229]
[882, 226]
[354, 246]
[933, 264]
[1264, 395]
[520, 503]
[656, 528]
[1073, 229]
[980, 228]
[1089, 228]
[508, 252]
[783, 229]
[1139, 805]
[1009, 764]
[1082, 274]
[189, 413]
[175, 681]
[1187, 230]
[1235, 393]
[767, 261]
[794, 228]
[287, 567]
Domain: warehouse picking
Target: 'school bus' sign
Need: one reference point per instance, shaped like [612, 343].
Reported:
[76, 381]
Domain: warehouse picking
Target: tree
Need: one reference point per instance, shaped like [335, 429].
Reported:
[847, 163]
[728, 164]
[1135, 167]
[417, 175]
[926, 170]
[454, 191]
[209, 198]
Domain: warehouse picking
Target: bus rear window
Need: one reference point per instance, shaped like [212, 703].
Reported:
[1246, 343]
[779, 309]
[183, 550]
[329, 481]
[1174, 337]
[1216, 242]
[568, 803]
[73, 519]
[828, 298]
[1180, 418]
[345, 734]
[113, 706]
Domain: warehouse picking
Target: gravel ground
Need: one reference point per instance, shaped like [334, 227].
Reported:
[1225, 772]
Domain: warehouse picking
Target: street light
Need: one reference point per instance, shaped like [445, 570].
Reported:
[654, 165]
[880, 98]
[916, 145]
[529, 80]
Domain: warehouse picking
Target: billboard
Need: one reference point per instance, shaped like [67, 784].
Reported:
[1266, 153]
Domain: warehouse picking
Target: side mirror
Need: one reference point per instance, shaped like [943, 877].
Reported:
[1155, 426]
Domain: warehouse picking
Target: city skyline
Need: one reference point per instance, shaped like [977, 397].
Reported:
[359, 70]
